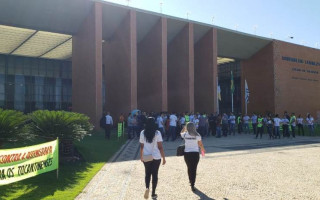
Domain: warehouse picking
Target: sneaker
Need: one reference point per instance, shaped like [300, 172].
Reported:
[154, 196]
[146, 194]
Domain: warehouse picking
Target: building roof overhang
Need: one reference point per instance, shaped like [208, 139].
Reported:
[65, 17]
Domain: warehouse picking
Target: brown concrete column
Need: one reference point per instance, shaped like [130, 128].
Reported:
[87, 66]
[120, 60]
[152, 69]
[181, 71]
[205, 73]
[259, 73]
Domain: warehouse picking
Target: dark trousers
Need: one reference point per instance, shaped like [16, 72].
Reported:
[192, 160]
[270, 132]
[212, 129]
[260, 130]
[130, 132]
[172, 133]
[300, 127]
[202, 130]
[286, 131]
[225, 129]
[293, 131]
[240, 128]
[151, 169]
[108, 131]
[254, 127]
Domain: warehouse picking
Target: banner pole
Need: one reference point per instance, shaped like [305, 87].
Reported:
[58, 157]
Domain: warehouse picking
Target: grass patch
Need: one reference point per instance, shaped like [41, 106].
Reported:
[73, 177]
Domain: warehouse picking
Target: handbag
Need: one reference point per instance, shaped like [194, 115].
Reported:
[147, 158]
[180, 149]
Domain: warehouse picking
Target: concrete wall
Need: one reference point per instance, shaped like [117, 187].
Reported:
[152, 69]
[205, 73]
[258, 71]
[297, 83]
[181, 71]
[120, 61]
[87, 66]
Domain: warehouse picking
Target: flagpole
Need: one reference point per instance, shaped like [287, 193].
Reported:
[246, 104]
[232, 101]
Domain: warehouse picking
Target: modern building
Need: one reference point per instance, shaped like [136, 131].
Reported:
[89, 56]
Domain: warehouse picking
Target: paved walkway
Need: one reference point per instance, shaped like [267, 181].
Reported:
[235, 167]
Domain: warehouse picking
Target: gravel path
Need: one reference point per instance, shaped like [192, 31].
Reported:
[236, 167]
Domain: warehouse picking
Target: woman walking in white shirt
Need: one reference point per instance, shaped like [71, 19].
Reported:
[151, 151]
[191, 153]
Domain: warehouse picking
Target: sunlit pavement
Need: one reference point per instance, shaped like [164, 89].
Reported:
[234, 167]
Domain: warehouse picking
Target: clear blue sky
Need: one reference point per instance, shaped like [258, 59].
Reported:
[278, 19]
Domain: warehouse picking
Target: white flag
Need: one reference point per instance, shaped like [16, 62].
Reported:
[247, 92]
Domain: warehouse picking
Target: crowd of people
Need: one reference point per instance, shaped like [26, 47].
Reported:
[222, 125]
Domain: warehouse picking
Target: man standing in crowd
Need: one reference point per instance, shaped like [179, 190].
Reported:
[232, 123]
[285, 126]
[225, 124]
[310, 120]
[246, 123]
[160, 124]
[130, 126]
[212, 124]
[172, 127]
[202, 125]
[277, 121]
[260, 126]
[300, 124]
[109, 124]
[254, 123]
[293, 124]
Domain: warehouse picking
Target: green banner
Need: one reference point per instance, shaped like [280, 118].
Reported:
[21, 163]
[120, 129]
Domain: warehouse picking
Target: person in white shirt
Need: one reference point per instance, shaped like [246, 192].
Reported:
[300, 125]
[246, 123]
[172, 127]
[191, 117]
[277, 122]
[285, 125]
[160, 124]
[310, 120]
[151, 151]
[191, 152]
[109, 124]
[232, 124]
[254, 119]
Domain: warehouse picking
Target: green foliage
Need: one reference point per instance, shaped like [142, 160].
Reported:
[73, 177]
[62, 124]
[12, 126]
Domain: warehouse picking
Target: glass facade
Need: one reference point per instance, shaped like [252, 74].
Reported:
[29, 84]
[224, 73]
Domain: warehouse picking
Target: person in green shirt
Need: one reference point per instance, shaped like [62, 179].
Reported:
[293, 124]
[260, 126]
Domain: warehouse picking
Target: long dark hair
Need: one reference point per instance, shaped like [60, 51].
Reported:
[150, 130]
